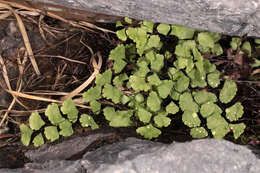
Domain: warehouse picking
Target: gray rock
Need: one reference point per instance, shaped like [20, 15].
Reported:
[66, 149]
[140, 156]
[231, 17]
[202, 156]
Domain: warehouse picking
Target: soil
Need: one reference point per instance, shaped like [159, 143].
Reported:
[64, 62]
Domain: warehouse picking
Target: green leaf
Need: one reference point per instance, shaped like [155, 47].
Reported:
[26, 134]
[198, 132]
[139, 36]
[207, 109]
[162, 121]
[154, 80]
[121, 34]
[92, 94]
[203, 96]
[38, 140]
[148, 131]
[217, 49]
[87, 121]
[112, 93]
[256, 63]
[213, 79]
[190, 65]
[148, 26]
[215, 36]
[118, 118]
[69, 108]
[66, 128]
[218, 125]
[119, 24]
[174, 73]
[197, 55]
[36, 121]
[235, 112]
[184, 48]
[197, 79]
[200, 67]
[216, 120]
[139, 98]
[228, 91]
[191, 119]
[182, 32]
[187, 103]
[95, 106]
[158, 63]
[208, 66]
[246, 46]
[182, 83]
[257, 41]
[154, 102]
[163, 29]
[237, 129]
[51, 133]
[119, 80]
[139, 83]
[164, 89]
[172, 108]
[153, 42]
[117, 53]
[104, 78]
[175, 95]
[220, 132]
[150, 56]
[128, 20]
[181, 63]
[143, 68]
[144, 115]
[125, 99]
[119, 65]
[205, 40]
[53, 114]
[235, 43]
[167, 54]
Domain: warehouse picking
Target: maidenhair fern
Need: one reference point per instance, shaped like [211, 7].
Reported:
[57, 125]
[162, 83]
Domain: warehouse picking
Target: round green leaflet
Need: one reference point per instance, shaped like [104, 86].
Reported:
[26, 134]
[235, 112]
[36, 121]
[69, 108]
[237, 129]
[148, 131]
[38, 140]
[191, 119]
[207, 109]
[205, 40]
[66, 128]
[162, 121]
[51, 133]
[228, 91]
[154, 102]
[163, 29]
[53, 114]
[86, 121]
[172, 108]
[121, 34]
[187, 104]
[198, 132]
[144, 115]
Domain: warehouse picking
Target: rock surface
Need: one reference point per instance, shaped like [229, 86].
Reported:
[232, 17]
[140, 156]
